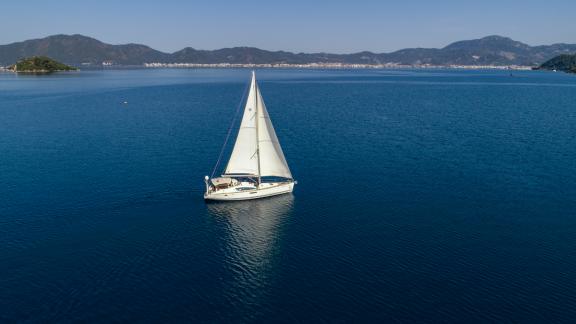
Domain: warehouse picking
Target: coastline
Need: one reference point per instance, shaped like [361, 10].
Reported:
[8, 69]
[337, 66]
[388, 66]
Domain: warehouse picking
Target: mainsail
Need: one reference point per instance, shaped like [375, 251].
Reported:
[257, 151]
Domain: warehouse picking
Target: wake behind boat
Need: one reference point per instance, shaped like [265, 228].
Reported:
[257, 167]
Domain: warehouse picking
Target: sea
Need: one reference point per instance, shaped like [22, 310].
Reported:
[423, 196]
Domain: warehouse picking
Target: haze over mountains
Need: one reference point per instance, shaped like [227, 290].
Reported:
[78, 49]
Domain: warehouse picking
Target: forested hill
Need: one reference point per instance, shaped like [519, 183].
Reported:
[566, 63]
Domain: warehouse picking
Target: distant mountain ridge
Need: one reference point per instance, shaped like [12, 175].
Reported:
[78, 49]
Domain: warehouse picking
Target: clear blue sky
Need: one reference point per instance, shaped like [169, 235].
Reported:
[295, 25]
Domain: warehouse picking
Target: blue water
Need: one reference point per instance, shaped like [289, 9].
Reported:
[422, 196]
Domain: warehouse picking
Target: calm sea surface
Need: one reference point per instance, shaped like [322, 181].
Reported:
[422, 196]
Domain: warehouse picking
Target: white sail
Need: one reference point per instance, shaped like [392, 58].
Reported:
[272, 160]
[244, 157]
[257, 150]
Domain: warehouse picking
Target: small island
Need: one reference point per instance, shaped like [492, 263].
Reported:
[564, 62]
[40, 64]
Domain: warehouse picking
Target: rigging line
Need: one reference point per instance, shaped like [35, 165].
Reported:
[230, 131]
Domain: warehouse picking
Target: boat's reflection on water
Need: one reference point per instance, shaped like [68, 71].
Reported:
[252, 235]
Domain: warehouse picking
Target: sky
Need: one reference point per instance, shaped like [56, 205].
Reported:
[296, 25]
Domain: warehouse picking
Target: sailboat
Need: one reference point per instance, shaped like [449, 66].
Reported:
[257, 167]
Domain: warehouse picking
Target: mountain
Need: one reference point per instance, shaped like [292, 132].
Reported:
[237, 55]
[491, 50]
[564, 62]
[78, 49]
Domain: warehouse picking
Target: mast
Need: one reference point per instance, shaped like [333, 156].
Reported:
[256, 117]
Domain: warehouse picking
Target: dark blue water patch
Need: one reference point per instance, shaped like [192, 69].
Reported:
[422, 196]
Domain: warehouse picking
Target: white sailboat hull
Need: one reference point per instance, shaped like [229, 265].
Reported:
[267, 189]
